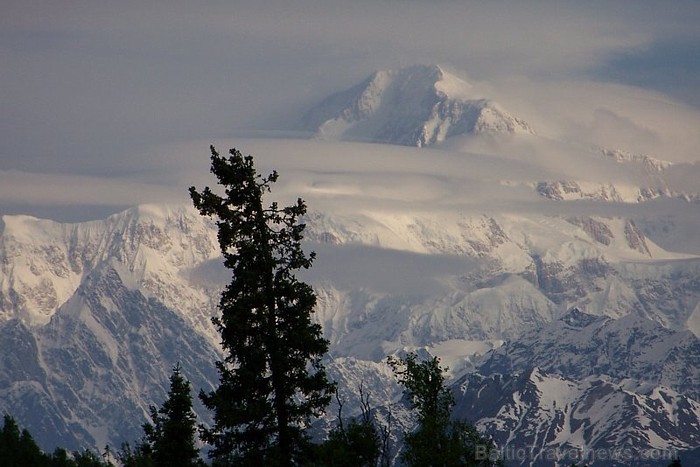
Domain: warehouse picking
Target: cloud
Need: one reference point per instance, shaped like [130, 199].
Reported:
[99, 91]
[384, 271]
[613, 130]
[59, 190]
[604, 114]
[670, 65]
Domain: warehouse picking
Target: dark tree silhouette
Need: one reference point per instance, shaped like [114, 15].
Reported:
[18, 449]
[437, 441]
[272, 381]
[171, 437]
[355, 443]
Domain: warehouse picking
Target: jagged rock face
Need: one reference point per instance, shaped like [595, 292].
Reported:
[581, 345]
[635, 238]
[163, 250]
[599, 231]
[650, 164]
[134, 294]
[413, 106]
[97, 314]
[585, 384]
[538, 418]
[95, 367]
[568, 283]
[567, 190]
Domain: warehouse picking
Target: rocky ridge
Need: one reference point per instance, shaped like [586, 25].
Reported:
[134, 294]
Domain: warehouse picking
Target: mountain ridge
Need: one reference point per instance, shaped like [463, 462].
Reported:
[136, 290]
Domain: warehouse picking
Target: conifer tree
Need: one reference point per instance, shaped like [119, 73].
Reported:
[140, 455]
[271, 381]
[171, 437]
[17, 447]
[437, 441]
[356, 443]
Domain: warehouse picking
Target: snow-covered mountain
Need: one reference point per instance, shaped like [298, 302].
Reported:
[625, 350]
[96, 315]
[537, 418]
[425, 105]
[161, 250]
[131, 295]
[586, 384]
[419, 105]
[476, 249]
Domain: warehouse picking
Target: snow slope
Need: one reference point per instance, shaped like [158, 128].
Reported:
[419, 105]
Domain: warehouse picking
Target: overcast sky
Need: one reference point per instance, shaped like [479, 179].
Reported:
[96, 96]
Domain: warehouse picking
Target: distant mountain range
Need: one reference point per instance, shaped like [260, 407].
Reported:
[548, 281]
[589, 383]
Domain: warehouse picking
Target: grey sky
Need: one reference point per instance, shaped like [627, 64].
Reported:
[92, 94]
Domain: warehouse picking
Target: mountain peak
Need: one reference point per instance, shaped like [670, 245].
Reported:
[419, 105]
[420, 71]
[578, 319]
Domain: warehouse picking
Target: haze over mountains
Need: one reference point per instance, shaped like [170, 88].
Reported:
[566, 275]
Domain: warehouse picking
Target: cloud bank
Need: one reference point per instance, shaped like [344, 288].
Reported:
[111, 104]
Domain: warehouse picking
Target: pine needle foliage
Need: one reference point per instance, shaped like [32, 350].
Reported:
[438, 441]
[271, 381]
[171, 437]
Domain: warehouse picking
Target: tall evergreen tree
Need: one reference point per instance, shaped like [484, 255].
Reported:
[271, 381]
[171, 438]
